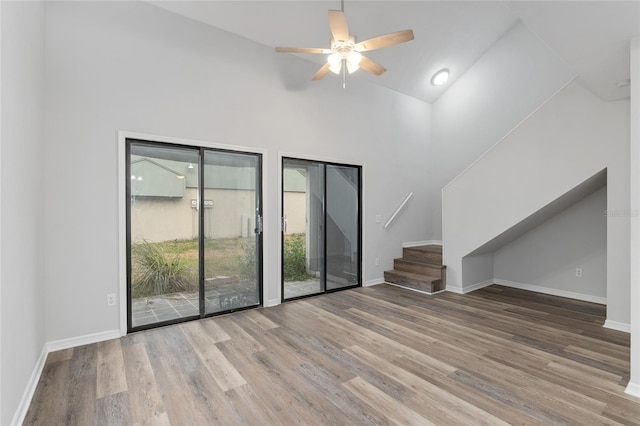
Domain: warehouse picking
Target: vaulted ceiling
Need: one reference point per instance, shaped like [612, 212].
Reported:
[592, 37]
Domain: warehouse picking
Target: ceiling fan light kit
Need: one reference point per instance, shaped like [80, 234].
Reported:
[352, 59]
[345, 53]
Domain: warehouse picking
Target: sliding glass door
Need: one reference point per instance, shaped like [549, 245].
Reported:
[303, 228]
[231, 231]
[342, 226]
[163, 234]
[194, 232]
[321, 232]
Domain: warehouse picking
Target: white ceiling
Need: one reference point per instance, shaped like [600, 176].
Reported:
[592, 37]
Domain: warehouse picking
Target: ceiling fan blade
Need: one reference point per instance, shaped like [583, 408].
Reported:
[302, 50]
[384, 41]
[324, 70]
[338, 25]
[372, 66]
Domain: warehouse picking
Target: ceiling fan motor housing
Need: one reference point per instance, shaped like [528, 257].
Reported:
[344, 53]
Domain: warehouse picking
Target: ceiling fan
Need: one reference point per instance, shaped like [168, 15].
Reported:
[345, 54]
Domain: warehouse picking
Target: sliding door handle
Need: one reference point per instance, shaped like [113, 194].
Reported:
[258, 229]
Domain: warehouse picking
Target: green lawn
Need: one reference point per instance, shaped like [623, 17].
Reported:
[172, 266]
[222, 256]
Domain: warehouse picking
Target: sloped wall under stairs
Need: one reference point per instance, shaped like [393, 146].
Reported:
[569, 140]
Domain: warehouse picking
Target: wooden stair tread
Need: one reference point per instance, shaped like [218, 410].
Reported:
[430, 248]
[420, 268]
[417, 262]
[424, 254]
[412, 276]
[424, 283]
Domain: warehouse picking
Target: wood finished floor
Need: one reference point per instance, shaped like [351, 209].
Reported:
[376, 355]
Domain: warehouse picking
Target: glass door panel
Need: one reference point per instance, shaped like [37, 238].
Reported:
[163, 243]
[343, 226]
[303, 228]
[231, 231]
[194, 235]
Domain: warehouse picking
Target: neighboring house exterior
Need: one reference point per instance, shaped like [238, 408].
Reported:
[164, 196]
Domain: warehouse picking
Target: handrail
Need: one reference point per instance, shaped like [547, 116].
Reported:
[398, 210]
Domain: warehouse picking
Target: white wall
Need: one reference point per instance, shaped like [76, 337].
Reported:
[477, 272]
[22, 308]
[131, 66]
[514, 77]
[570, 139]
[548, 255]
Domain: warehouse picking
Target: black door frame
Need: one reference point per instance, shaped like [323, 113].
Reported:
[323, 274]
[201, 240]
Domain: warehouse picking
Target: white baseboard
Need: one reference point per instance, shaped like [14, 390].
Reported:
[633, 389]
[615, 325]
[374, 281]
[422, 243]
[53, 346]
[27, 395]
[87, 339]
[271, 303]
[478, 286]
[553, 291]
[469, 289]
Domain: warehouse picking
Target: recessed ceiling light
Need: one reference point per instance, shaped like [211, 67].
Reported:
[440, 77]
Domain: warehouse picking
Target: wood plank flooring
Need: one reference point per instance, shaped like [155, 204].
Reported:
[377, 355]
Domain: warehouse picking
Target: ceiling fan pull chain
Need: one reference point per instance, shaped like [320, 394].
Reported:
[344, 73]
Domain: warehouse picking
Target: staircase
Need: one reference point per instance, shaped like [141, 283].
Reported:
[420, 268]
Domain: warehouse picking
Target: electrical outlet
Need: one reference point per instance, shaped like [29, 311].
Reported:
[579, 272]
[378, 218]
[377, 261]
[111, 299]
